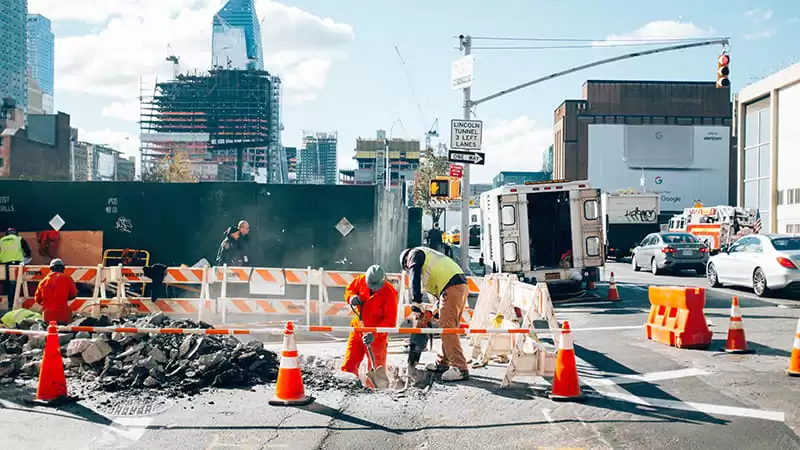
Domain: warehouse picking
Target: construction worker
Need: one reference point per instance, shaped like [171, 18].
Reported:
[54, 292]
[13, 251]
[376, 299]
[441, 277]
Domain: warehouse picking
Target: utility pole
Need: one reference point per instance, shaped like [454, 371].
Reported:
[466, 47]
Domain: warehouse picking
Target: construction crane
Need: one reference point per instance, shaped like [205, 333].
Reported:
[433, 131]
[175, 60]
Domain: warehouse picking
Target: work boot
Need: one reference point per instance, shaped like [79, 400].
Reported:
[436, 367]
[455, 374]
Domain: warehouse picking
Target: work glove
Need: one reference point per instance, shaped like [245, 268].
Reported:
[368, 339]
[355, 301]
[416, 309]
[245, 259]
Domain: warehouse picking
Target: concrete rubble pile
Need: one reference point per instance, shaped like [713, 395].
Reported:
[126, 361]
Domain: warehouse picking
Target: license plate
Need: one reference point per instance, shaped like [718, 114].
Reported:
[687, 252]
[552, 276]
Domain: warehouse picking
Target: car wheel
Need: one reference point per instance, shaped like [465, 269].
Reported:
[654, 267]
[635, 266]
[711, 276]
[760, 283]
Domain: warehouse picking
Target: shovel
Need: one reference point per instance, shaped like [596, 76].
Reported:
[377, 375]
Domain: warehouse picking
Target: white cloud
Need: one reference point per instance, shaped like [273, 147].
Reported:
[762, 22]
[125, 142]
[122, 110]
[660, 29]
[759, 14]
[760, 34]
[516, 145]
[133, 37]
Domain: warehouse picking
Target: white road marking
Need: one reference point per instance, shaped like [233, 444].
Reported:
[776, 416]
[132, 428]
[546, 414]
[564, 307]
[645, 377]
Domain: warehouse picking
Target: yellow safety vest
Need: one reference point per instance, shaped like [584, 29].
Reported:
[437, 271]
[11, 249]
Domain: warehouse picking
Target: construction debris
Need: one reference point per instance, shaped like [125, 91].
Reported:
[122, 362]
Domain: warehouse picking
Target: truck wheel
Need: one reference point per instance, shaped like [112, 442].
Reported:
[635, 266]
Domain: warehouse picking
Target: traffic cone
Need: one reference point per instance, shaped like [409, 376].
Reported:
[566, 385]
[289, 390]
[52, 387]
[737, 343]
[613, 293]
[794, 360]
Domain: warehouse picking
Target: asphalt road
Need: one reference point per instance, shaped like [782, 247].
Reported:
[641, 394]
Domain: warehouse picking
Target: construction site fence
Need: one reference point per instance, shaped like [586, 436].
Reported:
[244, 294]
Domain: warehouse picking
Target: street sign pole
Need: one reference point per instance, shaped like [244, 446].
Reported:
[466, 46]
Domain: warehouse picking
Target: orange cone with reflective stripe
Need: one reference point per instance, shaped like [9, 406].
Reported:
[794, 360]
[737, 343]
[613, 294]
[566, 385]
[289, 390]
[52, 381]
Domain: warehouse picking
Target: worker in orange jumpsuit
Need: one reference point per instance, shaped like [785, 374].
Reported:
[53, 293]
[376, 298]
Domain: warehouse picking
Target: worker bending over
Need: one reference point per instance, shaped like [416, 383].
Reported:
[54, 292]
[441, 277]
[376, 299]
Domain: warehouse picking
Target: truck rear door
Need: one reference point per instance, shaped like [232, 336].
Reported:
[591, 228]
[514, 247]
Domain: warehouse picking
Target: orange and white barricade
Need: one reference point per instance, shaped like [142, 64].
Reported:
[193, 279]
[268, 289]
[24, 274]
[528, 356]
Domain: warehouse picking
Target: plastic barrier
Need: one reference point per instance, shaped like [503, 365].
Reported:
[528, 356]
[492, 309]
[676, 317]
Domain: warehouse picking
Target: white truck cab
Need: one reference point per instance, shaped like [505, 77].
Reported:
[549, 231]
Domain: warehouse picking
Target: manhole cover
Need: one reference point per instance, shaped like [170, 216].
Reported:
[135, 408]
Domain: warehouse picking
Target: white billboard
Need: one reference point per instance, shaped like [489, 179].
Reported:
[681, 163]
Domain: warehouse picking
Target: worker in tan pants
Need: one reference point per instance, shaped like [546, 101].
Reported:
[442, 277]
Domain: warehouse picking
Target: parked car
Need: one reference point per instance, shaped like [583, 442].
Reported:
[670, 252]
[764, 262]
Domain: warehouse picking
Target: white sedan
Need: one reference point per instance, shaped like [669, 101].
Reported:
[764, 262]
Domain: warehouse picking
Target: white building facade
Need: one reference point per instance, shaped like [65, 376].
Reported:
[767, 137]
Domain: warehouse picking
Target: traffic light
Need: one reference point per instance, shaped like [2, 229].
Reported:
[440, 188]
[723, 71]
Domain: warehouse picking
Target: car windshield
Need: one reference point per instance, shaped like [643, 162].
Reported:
[679, 238]
[782, 244]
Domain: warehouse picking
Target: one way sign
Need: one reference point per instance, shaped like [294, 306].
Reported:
[467, 157]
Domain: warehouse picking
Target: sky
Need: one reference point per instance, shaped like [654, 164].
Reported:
[355, 67]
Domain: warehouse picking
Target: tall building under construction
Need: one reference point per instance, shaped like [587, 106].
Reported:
[228, 122]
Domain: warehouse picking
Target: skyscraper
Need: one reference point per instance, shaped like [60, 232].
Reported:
[13, 51]
[235, 26]
[40, 58]
[317, 159]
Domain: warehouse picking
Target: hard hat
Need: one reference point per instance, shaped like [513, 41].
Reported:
[375, 277]
[57, 262]
[403, 257]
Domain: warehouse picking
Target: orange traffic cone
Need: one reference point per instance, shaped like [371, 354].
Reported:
[566, 385]
[737, 343]
[613, 293]
[52, 388]
[289, 391]
[794, 360]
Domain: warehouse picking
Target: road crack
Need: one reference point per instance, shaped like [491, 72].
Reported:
[286, 417]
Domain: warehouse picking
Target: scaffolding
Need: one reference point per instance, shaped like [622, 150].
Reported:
[224, 119]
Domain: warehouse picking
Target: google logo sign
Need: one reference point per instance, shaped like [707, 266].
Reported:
[659, 180]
